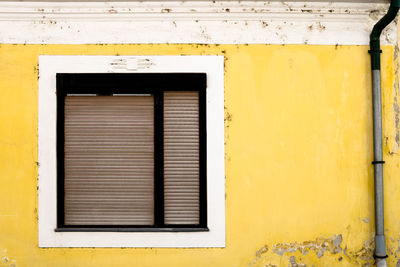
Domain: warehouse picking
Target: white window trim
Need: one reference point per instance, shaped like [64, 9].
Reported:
[213, 67]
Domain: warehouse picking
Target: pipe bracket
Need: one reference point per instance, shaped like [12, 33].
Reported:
[380, 257]
[374, 51]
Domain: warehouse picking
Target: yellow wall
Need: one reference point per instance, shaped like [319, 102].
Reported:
[298, 134]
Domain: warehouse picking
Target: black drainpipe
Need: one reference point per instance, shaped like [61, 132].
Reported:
[375, 52]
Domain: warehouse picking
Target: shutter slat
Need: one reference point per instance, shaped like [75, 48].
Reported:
[109, 160]
[181, 158]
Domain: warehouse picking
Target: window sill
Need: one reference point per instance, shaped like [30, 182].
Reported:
[130, 229]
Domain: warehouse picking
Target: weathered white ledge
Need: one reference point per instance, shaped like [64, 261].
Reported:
[227, 22]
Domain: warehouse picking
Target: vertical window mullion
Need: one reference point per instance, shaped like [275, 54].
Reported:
[159, 158]
[60, 151]
[203, 156]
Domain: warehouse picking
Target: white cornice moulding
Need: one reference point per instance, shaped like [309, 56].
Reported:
[229, 22]
[188, 10]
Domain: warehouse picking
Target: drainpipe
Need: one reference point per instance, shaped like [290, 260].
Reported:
[375, 52]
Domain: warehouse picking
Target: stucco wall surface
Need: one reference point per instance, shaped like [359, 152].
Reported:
[299, 179]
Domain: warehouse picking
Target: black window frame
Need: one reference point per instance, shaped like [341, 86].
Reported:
[135, 83]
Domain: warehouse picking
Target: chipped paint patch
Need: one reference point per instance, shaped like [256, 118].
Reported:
[293, 262]
[259, 253]
[319, 246]
[5, 260]
[312, 252]
[262, 251]
[365, 254]
[394, 248]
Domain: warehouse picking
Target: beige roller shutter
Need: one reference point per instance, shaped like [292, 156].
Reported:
[109, 160]
[181, 158]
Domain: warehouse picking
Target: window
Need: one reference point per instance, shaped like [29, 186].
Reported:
[131, 151]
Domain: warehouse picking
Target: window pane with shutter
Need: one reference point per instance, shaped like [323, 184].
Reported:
[181, 158]
[109, 160]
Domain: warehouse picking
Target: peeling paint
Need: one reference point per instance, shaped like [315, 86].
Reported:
[228, 117]
[6, 260]
[293, 262]
[259, 253]
[320, 26]
[374, 14]
[397, 253]
[365, 254]
[319, 246]
[393, 250]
